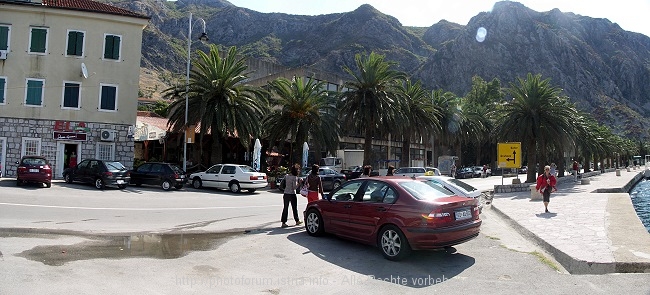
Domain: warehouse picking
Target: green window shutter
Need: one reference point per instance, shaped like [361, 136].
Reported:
[34, 93]
[38, 40]
[71, 95]
[116, 47]
[80, 44]
[108, 98]
[112, 47]
[2, 90]
[4, 38]
[75, 43]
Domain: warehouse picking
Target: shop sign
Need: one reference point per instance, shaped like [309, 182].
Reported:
[58, 135]
[67, 126]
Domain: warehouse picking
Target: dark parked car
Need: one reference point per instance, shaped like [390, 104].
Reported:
[99, 172]
[163, 174]
[330, 178]
[353, 172]
[397, 214]
[466, 172]
[523, 170]
[35, 169]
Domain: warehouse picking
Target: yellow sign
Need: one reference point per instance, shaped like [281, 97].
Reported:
[509, 154]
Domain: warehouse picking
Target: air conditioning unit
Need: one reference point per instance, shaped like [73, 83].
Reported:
[3, 54]
[107, 135]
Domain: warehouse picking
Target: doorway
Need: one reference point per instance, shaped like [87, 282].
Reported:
[67, 153]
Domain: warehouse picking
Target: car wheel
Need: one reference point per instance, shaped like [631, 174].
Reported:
[178, 186]
[67, 178]
[48, 184]
[196, 183]
[336, 184]
[234, 187]
[393, 243]
[314, 223]
[138, 184]
[99, 183]
[251, 190]
[166, 185]
[121, 186]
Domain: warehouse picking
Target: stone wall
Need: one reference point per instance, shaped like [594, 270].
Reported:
[15, 129]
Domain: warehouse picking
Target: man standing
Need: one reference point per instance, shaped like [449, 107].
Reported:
[575, 171]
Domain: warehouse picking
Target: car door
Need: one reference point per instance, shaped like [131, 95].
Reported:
[367, 212]
[210, 176]
[335, 212]
[327, 178]
[77, 173]
[228, 173]
[140, 173]
[154, 176]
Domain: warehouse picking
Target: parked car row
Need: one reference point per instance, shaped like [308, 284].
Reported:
[100, 173]
[329, 177]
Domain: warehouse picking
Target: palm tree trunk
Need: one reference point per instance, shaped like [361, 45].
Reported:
[531, 157]
[406, 151]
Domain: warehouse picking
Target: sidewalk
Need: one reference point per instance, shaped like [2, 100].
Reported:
[592, 228]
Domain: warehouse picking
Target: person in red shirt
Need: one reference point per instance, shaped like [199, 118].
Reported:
[545, 185]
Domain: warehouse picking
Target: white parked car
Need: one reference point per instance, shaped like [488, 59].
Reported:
[232, 177]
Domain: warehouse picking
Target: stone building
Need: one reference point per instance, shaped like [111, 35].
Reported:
[69, 73]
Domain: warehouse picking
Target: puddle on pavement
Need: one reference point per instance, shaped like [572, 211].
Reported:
[161, 246]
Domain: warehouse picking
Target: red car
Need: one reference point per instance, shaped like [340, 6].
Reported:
[34, 169]
[398, 214]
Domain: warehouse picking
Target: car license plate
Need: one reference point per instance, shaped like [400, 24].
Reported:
[120, 182]
[33, 170]
[463, 214]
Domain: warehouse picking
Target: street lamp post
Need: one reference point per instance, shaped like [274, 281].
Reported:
[203, 37]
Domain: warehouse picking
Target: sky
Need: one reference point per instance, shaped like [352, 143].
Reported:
[631, 15]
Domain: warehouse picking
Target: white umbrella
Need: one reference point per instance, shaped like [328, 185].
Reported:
[257, 155]
[305, 154]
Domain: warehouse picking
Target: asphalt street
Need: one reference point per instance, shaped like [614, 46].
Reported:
[143, 240]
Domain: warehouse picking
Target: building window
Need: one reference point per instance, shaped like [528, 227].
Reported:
[108, 97]
[38, 40]
[71, 95]
[31, 147]
[106, 151]
[3, 90]
[34, 92]
[4, 37]
[75, 43]
[112, 47]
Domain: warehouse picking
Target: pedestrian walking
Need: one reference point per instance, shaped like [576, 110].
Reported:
[453, 170]
[575, 170]
[315, 185]
[366, 171]
[292, 183]
[545, 185]
[390, 170]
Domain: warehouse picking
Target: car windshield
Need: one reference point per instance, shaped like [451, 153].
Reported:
[461, 184]
[176, 169]
[115, 166]
[423, 191]
[34, 161]
[247, 168]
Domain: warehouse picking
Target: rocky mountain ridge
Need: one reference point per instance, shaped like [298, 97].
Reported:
[601, 67]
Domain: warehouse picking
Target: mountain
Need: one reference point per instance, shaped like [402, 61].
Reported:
[604, 69]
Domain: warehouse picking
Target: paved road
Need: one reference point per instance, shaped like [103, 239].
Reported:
[268, 259]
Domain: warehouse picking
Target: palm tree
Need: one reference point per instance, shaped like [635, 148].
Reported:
[536, 113]
[419, 116]
[301, 110]
[219, 100]
[370, 103]
[452, 117]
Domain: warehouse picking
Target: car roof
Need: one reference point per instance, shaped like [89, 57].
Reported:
[37, 157]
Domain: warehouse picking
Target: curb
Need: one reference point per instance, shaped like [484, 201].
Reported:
[572, 265]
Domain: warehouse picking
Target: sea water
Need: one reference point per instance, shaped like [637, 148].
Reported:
[640, 195]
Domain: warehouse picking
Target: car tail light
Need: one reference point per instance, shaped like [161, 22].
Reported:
[476, 211]
[108, 174]
[254, 177]
[438, 216]
[176, 176]
[22, 169]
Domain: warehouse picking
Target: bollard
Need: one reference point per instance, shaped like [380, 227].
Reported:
[534, 194]
[628, 169]
[618, 172]
[585, 181]
[516, 181]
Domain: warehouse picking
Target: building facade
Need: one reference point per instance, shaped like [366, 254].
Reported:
[69, 73]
